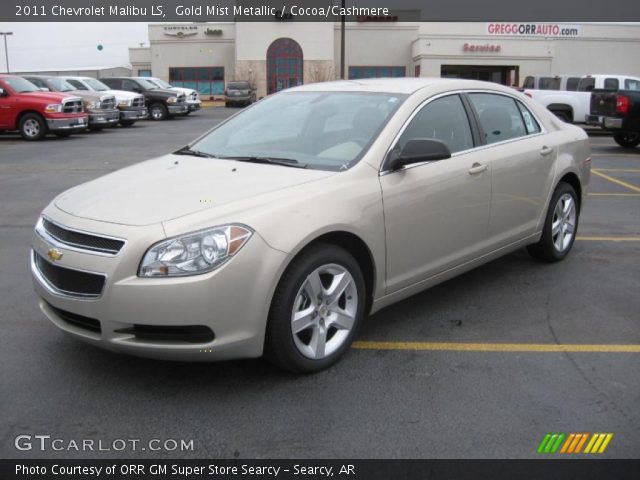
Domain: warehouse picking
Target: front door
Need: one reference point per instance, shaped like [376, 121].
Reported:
[436, 213]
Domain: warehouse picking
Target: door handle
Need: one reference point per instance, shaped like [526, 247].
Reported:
[546, 151]
[477, 168]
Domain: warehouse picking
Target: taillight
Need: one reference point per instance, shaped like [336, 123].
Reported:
[622, 104]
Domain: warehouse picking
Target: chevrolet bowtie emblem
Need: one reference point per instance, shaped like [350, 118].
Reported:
[54, 255]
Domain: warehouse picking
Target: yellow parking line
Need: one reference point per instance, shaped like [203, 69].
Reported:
[608, 239]
[615, 180]
[621, 170]
[496, 347]
[613, 155]
[602, 194]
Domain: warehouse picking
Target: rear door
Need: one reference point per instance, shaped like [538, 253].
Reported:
[7, 108]
[436, 213]
[522, 157]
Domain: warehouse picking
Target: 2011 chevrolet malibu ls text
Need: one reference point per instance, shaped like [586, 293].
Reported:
[279, 230]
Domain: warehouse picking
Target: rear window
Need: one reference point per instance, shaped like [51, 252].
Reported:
[572, 83]
[611, 84]
[528, 83]
[238, 86]
[630, 84]
[549, 83]
[587, 84]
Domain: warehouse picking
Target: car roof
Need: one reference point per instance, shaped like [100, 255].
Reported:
[405, 85]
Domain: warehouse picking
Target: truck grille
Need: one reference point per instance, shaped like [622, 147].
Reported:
[72, 106]
[138, 102]
[194, 96]
[108, 103]
[182, 98]
[68, 281]
[82, 241]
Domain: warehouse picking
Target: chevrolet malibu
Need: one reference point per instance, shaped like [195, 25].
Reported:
[282, 228]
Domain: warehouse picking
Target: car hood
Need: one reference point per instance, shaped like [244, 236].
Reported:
[121, 94]
[173, 186]
[53, 97]
[186, 91]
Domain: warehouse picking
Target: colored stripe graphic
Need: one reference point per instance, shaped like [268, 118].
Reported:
[572, 443]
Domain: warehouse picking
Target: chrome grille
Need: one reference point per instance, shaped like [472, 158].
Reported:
[72, 106]
[108, 103]
[182, 98]
[138, 102]
[79, 240]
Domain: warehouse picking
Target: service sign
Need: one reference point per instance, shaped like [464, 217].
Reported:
[533, 29]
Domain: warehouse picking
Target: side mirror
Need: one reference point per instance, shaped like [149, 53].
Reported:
[2, 92]
[420, 150]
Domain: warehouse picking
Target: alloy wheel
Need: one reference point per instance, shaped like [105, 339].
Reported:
[31, 127]
[563, 225]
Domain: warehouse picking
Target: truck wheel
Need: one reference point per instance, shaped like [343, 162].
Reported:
[32, 127]
[158, 111]
[127, 123]
[316, 310]
[627, 139]
[560, 226]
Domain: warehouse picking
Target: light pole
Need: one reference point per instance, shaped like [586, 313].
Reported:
[6, 52]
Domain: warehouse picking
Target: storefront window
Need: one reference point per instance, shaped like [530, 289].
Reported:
[144, 73]
[206, 80]
[376, 72]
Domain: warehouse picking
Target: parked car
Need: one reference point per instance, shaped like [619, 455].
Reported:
[618, 112]
[239, 93]
[551, 82]
[576, 106]
[131, 105]
[101, 108]
[160, 102]
[23, 107]
[280, 229]
[193, 97]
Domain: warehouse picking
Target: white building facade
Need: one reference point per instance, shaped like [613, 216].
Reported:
[281, 54]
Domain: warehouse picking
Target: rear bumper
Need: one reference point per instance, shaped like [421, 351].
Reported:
[108, 117]
[137, 114]
[242, 99]
[67, 124]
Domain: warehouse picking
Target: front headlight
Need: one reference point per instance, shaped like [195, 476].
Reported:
[194, 253]
[124, 103]
[92, 105]
[172, 100]
[53, 108]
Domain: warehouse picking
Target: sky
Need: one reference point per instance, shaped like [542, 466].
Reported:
[39, 46]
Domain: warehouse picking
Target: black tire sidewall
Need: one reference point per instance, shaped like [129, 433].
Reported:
[162, 108]
[622, 139]
[39, 119]
[280, 347]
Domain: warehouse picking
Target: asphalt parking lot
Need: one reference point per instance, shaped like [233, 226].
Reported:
[481, 366]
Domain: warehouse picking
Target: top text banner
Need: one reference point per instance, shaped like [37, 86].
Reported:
[318, 10]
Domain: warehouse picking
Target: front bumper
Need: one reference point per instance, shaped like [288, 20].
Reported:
[106, 117]
[233, 301]
[193, 106]
[67, 124]
[177, 109]
[239, 99]
[133, 114]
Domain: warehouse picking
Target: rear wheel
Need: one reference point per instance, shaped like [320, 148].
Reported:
[32, 127]
[316, 310]
[158, 111]
[560, 226]
[627, 139]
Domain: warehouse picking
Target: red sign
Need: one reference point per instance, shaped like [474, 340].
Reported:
[487, 47]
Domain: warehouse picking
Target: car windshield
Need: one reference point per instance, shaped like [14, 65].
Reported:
[161, 83]
[146, 84]
[96, 85]
[323, 130]
[60, 85]
[20, 85]
[238, 86]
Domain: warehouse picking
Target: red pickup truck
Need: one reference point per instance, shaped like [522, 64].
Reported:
[34, 113]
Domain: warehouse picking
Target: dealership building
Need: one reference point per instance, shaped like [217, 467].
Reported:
[281, 54]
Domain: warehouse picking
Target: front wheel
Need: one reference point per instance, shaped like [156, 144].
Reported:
[560, 226]
[158, 111]
[32, 127]
[316, 310]
[627, 139]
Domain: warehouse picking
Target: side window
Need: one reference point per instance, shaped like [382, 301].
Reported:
[129, 85]
[630, 84]
[38, 83]
[111, 83]
[587, 84]
[611, 84]
[444, 119]
[530, 122]
[78, 85]
[528, 83]
[499, 116]
[572, 83]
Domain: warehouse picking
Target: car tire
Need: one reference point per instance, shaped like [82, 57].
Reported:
[158, 111]
[127, 123]
[560, 226]
[32, 127]
[316, 310]
[627, 139]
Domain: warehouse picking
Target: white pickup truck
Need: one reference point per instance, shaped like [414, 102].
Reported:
[575, 106]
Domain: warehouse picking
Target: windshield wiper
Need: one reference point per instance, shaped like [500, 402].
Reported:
[287, 162]
[195, 153]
